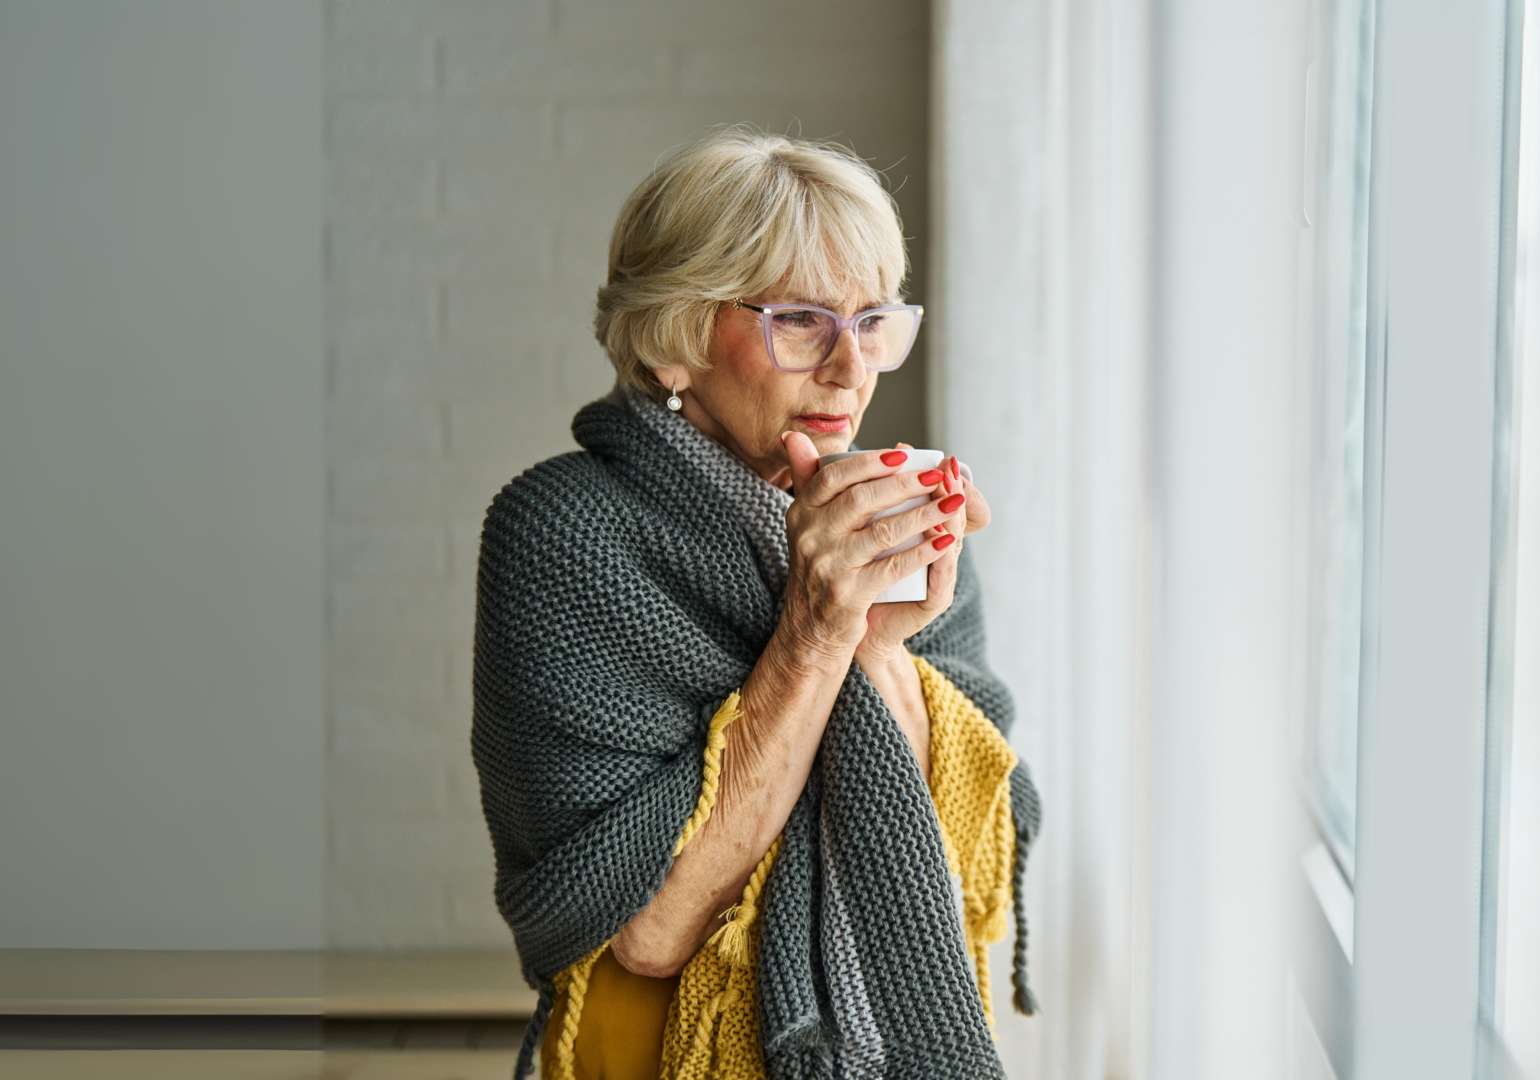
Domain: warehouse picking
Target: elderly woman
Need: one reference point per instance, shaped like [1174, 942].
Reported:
[748, 821]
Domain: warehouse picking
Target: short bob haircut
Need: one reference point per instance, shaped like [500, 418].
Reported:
[737, 214]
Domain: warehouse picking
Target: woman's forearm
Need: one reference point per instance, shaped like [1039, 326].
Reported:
[785, 705]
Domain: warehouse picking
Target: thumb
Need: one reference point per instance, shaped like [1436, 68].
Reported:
[803, 457]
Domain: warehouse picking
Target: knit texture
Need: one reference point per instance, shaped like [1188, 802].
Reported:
[713, 1025]
[970, 770]
[623, 595]
[713, 1028]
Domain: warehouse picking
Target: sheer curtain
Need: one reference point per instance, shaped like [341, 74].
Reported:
[1041, 383]
[1116, 197]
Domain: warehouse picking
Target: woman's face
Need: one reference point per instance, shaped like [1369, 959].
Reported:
[745, 403]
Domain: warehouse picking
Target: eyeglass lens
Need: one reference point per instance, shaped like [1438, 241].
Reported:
[804, 337]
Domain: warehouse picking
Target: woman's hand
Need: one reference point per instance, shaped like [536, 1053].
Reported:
[978, 509]
[787, 697]
[888, 626]
[834, 544]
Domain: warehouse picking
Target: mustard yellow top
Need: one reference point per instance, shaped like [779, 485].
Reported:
[610, 1024]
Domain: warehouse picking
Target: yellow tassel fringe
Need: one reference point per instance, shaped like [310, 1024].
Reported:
[732, 940]
[716, 742]
[575, 981]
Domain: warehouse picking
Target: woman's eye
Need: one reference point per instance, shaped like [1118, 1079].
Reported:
[795, 320]
[872, 324]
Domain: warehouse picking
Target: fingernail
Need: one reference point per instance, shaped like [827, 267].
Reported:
[930, 478]
[947, 482]
[955, 473]
[950, 504]
[941, 543]
[894, 457]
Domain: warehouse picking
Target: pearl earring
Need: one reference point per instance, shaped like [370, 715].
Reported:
[674, 403]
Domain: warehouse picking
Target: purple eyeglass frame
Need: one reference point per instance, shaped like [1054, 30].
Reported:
[841, 324]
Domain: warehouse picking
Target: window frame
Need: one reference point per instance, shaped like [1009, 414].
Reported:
[1438, 151]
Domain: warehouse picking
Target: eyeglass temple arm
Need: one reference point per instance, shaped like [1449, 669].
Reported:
[739, 302]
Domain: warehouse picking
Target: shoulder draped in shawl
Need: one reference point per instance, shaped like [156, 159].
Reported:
[620, 600]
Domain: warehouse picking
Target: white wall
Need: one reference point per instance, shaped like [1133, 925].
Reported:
[164, 267]
[160, 475]
[477, 154]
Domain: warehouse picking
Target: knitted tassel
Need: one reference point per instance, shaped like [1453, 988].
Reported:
[532, 1034]
[718, 1005]
[713, 1031]
[997, 917]
[988, 920]
[981, 972]
[1024, 1000]
[577, 989]
[732, 940]
[998, 923]
[1027, 813]
[698, 1062]
[716, 742]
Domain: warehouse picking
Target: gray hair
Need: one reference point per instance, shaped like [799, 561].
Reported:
[736, 214]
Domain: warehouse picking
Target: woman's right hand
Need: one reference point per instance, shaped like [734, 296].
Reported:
[833, 541]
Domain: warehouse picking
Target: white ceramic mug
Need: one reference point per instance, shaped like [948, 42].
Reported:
[912, 587]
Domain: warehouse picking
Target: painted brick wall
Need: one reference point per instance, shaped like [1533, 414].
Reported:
[477, 154]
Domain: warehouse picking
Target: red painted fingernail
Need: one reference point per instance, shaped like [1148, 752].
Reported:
[944, 541]
[955, 473]
[947, 482]
[950, 504]
[930, 478]
[894, 457]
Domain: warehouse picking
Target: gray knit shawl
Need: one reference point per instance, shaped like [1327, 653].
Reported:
[623, 592]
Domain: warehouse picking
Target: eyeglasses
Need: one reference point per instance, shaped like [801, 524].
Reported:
[800, 338]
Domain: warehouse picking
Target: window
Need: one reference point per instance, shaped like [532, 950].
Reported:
[1338, 91]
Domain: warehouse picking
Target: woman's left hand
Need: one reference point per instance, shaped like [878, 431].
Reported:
[888, 626]
[978, 509]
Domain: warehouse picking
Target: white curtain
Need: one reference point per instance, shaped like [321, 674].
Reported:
[1040, 383]
[1112, 341]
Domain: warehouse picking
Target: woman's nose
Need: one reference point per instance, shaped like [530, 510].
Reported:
[844, 367]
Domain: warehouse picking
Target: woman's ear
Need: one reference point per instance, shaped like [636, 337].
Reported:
[674, 377]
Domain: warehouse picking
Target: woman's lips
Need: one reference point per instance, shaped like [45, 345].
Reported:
[824, 421]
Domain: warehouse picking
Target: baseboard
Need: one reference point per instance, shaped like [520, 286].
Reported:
[422, 984]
